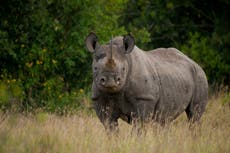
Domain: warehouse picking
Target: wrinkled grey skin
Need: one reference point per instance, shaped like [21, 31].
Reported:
[136, 85]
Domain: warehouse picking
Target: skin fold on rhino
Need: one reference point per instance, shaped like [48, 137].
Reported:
[144, 86]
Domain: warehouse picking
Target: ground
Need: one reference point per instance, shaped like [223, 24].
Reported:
[84, 133]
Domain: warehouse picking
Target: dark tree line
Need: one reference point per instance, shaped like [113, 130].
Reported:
[198, 28]
[43, 60]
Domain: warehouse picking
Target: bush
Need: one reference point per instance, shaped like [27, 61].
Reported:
[198, 48]
[42, 47]
[43, 60]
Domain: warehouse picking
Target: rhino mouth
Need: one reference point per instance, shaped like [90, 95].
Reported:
[110, 89]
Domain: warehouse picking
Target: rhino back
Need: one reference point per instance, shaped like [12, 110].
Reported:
[170, 79]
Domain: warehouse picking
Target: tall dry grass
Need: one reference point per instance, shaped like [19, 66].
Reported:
[48, 133]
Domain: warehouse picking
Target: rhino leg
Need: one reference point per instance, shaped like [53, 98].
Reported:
[107, 115]
[197, 106]
[143, 115]
[195, 110]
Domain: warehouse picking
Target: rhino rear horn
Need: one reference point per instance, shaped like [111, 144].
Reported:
[129, 43]
[91, 42]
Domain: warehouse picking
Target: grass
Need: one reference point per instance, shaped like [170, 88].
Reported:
[81, 133]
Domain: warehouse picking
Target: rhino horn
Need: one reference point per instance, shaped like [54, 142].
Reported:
[111, 63]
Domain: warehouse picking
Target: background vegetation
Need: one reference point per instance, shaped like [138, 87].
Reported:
[44, 63]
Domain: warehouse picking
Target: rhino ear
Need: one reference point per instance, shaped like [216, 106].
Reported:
[128, 43]
[91, 42]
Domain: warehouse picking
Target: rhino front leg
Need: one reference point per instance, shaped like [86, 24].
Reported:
[146, 108]
[143, 115]
[108, 116]
[137, 125]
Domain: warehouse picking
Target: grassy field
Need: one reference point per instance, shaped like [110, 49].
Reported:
[81, 133]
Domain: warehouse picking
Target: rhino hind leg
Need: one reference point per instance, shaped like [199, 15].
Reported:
[194, 113]
[195, 109]
[198, 103]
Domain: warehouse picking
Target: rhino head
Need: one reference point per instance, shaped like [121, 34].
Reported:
[110, 62]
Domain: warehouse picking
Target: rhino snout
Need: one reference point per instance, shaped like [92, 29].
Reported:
[110, 82]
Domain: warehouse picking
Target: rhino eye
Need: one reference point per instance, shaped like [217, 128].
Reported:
[100, 56]
[123, 69]
[95, 68]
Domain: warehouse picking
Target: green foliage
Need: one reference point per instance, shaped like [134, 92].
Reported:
[226, 99]
[42, 117]
[199, 27]
[4, 95]
[42, 45]
[11, 94]
[43, 60]
[198, 48]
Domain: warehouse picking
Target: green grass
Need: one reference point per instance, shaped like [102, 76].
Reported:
[81, 133]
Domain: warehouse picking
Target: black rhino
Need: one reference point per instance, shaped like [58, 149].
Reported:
[137, 85]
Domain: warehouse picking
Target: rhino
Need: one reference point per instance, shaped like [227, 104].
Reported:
[144, 86]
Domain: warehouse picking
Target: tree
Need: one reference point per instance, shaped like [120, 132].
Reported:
[179, 23]
[42, 46]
